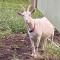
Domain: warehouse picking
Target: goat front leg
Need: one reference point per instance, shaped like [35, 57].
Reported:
[32, 45]
[37, 45]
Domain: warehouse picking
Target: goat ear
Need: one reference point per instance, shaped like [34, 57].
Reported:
[20, 13]
[33, 11]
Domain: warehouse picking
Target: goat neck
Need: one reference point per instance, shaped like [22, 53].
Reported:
[31, 24]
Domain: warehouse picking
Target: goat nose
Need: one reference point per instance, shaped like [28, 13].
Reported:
[26, 19]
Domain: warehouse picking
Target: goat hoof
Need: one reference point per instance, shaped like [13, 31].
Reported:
[34, 55]
[38, 55]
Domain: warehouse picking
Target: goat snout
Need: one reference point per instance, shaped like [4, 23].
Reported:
[26, 17]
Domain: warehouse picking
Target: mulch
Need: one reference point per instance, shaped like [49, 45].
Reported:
[19, 46]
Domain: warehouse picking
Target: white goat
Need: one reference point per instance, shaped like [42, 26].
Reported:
[39, 29]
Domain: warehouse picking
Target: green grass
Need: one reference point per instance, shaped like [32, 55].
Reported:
[10, 22]
[16, 1]
[53, 50]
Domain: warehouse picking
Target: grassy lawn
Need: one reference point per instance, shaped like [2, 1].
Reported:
[9, 20]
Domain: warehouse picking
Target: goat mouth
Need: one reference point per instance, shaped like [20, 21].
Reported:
[31, 30]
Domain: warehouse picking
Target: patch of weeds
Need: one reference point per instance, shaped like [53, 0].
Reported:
[53, 50]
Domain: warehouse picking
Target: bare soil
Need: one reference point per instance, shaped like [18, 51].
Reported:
[18, 46]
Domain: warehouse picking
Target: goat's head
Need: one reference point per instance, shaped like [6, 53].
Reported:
[26, 13]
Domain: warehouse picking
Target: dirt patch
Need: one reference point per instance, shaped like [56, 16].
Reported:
[18, 46]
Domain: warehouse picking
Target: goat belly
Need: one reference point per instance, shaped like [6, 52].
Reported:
[47, 29]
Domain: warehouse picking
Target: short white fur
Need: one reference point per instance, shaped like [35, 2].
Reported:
[43, 29]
